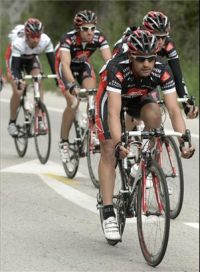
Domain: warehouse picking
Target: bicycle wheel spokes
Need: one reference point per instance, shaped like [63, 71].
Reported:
[173, 170]
[21, 141]
[42, 134]
[93, 156]
[71, 166]
[153, 222]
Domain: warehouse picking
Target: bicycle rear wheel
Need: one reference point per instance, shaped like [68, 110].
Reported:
[93, 156]
[21, 140]
[71, 166]
[42, 137]
[171, 164]
[153, 218]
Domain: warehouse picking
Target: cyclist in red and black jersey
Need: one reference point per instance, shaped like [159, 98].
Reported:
[72, 66]
[158, 23]
[136, 72]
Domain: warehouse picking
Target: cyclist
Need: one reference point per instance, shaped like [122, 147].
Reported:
[26, 43]
[72, 66]
[136, 72]
[158, 23]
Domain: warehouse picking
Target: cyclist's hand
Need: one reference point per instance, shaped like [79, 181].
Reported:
[191, 110]
[20, 84]
[186, 151]
[121, 151]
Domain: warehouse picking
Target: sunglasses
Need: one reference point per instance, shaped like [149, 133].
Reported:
[32, 36]
[86, 28]
[143, 58]
[161, 37]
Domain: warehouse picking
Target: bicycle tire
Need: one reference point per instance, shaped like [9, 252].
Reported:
[42, 139]
[93, 157]
[173, 170]
[71, 166]
[21, 140]
[153, 247]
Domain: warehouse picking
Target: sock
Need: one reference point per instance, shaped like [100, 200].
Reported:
[12, 121]
[108, 211]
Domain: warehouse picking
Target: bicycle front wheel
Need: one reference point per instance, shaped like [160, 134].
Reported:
[21, 141]
[42, 135]
[170, 161]
[71, 166]
[153, 217]
[93, 156]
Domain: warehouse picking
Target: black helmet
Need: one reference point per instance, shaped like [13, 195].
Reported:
[85, 17]
[156, 21]
[33, 27]
[142, 42]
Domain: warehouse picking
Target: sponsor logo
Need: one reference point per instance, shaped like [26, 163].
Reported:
[165, 76]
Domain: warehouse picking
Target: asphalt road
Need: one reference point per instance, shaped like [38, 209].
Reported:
[50, 223]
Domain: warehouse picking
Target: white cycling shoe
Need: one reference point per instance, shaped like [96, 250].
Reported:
[12, 130]
[111, 229]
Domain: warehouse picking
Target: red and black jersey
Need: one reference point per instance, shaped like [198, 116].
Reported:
[81, 51]
[117, 76]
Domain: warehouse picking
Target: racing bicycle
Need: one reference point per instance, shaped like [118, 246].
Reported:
[83, 140]
[33, 120]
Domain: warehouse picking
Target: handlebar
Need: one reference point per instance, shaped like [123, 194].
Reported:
[156, 133]
[38, 77]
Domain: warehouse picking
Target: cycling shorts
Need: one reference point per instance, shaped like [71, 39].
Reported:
[80, 71]
[134, 108]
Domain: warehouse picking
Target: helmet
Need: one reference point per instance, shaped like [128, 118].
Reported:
[129, 30]
[156, 21]
[142, 42]
[33, 27]
[85, 17]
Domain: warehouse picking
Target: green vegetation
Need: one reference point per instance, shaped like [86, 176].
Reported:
[113, 18]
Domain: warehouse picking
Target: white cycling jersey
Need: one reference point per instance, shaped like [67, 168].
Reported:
[20, 48]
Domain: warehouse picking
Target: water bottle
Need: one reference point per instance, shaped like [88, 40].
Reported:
[27, 104]
[134, 170]
[82, 119]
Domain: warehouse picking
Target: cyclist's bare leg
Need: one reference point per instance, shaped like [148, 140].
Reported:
[89, 83]
[14, 101]
[107, 171]
[68, 115]
[131, 122]
[151, 115]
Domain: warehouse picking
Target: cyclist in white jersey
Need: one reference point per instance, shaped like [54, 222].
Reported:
[26, 43]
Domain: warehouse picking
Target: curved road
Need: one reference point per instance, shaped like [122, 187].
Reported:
[50, 223]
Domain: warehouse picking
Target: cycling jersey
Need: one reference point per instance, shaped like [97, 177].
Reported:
[168, 51]
[80, 54]
[117, 76]
[19, 55]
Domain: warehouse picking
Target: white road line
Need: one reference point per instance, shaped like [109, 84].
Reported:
[193, 225]
[52, 172]
[61, 111]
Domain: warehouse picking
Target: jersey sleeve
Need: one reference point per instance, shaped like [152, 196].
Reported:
[114, 79]
[65, 43]
[167, 83]
[170, 49]
[49, 45]
[103, 43]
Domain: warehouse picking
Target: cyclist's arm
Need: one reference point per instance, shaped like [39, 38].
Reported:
[51, 60]
[65, 58]
[178, 78]
[106, 53]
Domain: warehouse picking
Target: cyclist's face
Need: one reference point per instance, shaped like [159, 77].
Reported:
[33, 40]
[161, 39]
[87, 32]
[142, 65]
